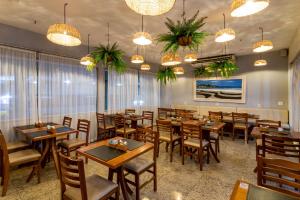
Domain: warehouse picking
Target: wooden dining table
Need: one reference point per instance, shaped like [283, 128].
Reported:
[34, 134]
[258, 131]
[227, 118]
[114, 159]
[246, 191]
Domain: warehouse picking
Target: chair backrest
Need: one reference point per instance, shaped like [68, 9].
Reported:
[4, 161]
[270, 123]
[67, 121]
[280, 145]
[215, 116]
[119, 121]
[280, 175]
[100, 120]
[152, 137]
[72, 174]
[193, 131]
[148, 115]
[178, 112]
[83, 126]
[164, 126]
[164, 113]
[129, 111]
[240, 118]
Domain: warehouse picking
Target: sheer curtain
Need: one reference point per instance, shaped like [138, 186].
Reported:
[18, 86]
[295, 95]
[122, 90]
[66, 89]
[149, 97]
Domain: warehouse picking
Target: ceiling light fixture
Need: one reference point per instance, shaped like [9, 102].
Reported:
[170, 59]
[88, 59]
[142, 38]
[241, 8]
[226, 34]
[191, 57]
[178, 70]
[263, 45]
[145, 67]
[150, 7]
[64, 34]
[260, 63]
[137, 58]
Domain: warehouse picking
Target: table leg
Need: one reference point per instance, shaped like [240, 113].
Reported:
[134, 124]
[122, 183]
[54, 155]
[214, 153]
[42, 159]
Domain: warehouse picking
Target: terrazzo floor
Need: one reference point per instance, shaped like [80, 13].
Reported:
[175, 181]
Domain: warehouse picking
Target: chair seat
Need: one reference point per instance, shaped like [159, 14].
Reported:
[144, 126]
[138, 165]
[240, 126]
[195, 143]
[107, 126]
[16, 145]
[97, 188]
[127, 130]
[73, 143]
[24, 156]
[213, 136]
[63, 137]
[167, 138]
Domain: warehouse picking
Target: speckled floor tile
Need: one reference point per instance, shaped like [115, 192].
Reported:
[175, 181]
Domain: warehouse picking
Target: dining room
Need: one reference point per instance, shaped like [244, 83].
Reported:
[150, 100]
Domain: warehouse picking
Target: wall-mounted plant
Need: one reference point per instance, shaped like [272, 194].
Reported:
[201, 72]
[183, 33]
[165, 75]
[224, 68]
[110, 56]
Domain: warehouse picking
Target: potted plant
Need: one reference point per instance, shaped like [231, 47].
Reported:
[225, 68]
[202, 72]
[166, 74]
[183, 33]
[110, 56]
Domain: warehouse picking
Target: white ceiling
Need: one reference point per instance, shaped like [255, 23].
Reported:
[280, 21]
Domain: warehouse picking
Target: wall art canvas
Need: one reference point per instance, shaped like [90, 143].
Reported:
[232, 90]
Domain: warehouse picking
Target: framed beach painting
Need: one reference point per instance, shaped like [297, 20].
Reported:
[231, 90]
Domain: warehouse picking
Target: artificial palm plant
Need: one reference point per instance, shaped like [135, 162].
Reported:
[224, 68]
[166, 74]
[183, 33]
[110, 56]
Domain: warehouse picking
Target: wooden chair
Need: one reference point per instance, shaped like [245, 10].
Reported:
[17, 158]
[165, 132]
[164, 113]
[192, 140]
[103, 128]
[215, 135]
[75, 186]
[83, 126]
[122, 128]
[280, 175]
[67, 121]
[280, 146]
[240, 122]
[147, 117]
[139, 165]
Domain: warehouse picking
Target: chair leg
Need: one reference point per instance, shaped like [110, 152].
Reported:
[155, 178]
[137, 187]
[182, 154]
[200, 158]
[219, 145]
[246, 136]
[38, 172]
[167, 146]
[117, 193]
[233, 136]
[5, 182]
[207, 159]
[171, 152]
[86, 160]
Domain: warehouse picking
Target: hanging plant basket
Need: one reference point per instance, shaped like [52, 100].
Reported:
[185, 41]
[184, 33]
[166, 75]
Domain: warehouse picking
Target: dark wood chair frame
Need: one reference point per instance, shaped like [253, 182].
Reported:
[102, 128]
[281, 172]
[120, 122]
[217, 117]
[194, 132]
[152, 137]
[73, 175]
[241, 118]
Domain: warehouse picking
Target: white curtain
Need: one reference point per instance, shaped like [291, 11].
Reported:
[66, 89]
[295, 95]
[18, 86]
[149, 96]
[122, 91]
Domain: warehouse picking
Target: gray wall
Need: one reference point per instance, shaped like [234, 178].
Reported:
[266, 86]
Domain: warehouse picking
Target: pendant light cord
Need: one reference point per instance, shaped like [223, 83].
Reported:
[65, 6]
[142, 23]
[108, 33]
[224, 20]
[183, 8]
[89, 43]
[262, 33]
